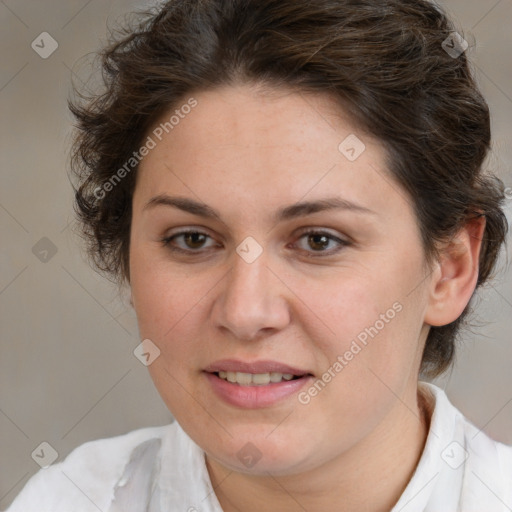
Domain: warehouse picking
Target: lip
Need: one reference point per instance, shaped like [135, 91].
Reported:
[255, 397]
[267, 366]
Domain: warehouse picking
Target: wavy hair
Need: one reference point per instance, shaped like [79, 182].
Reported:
[384, 60]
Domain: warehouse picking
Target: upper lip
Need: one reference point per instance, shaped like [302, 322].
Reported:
[234, 365]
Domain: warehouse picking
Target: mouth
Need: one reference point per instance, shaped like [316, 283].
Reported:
[256, 384]
[255, 373]
[257, 379]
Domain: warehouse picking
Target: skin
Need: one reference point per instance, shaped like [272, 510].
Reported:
[246, 152]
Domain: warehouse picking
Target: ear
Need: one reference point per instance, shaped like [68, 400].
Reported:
[455, 274]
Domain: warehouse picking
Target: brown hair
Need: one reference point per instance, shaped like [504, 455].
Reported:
[384, 60]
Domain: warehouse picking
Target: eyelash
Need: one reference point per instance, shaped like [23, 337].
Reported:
[166, 242]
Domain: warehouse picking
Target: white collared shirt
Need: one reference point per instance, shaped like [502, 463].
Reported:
[161, 469]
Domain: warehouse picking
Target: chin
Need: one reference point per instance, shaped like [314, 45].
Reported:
[280, 464]
[257, 454]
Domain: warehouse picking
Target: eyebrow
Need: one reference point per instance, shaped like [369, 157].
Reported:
[295, 210]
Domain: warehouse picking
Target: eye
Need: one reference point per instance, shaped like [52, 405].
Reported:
[319, 241]
[193, 241]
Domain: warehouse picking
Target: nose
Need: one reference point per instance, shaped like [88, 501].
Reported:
[252, 300]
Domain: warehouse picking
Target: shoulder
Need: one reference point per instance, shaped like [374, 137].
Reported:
[86, 478]
[484, 464]
[488, 468]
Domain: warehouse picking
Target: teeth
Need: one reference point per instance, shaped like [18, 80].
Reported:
[275, 377]
[258, 379]
[243, 379]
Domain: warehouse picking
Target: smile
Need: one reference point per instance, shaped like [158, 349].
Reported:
[255, 379]
[255, 390]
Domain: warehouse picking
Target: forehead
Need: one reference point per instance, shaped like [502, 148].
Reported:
[264, 148]
[249, 115]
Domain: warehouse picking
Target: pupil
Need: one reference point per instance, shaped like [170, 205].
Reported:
[322, 244]
[192, 237]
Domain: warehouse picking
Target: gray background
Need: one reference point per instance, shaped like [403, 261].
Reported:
[67, 371]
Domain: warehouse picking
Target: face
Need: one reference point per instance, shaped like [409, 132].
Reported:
[331, 292]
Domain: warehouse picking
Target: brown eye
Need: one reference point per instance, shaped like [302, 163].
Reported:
[318, 242]
[191, 242]
[322, 243]
[194, 240]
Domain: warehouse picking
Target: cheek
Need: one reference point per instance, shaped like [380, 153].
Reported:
[351, 306]
[172, 306]
[161, 295]
[373, 325]
[168, 310]
[170, 317]
[367, 361]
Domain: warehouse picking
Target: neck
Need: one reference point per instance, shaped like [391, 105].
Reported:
[371, 476]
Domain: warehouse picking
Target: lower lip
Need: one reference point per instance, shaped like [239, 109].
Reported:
[255, 397]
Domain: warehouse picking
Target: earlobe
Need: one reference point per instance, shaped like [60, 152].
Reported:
[457, 274]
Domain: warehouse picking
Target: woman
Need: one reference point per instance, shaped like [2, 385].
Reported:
[293, 191]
